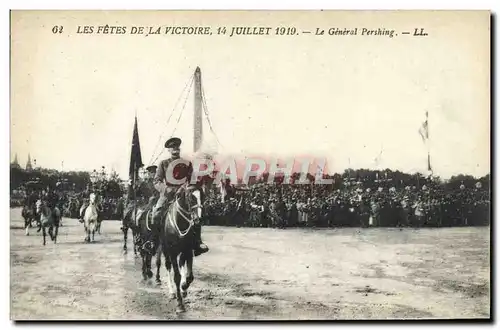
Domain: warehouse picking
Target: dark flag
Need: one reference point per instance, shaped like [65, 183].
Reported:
[135, 154]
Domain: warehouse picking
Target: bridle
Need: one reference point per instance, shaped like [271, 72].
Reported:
[191, 215]
[40, 208]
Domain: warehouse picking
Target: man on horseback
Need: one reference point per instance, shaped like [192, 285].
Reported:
[168, 189]
[30, 199]
[146, 190]
[51, 198]
[84, 202]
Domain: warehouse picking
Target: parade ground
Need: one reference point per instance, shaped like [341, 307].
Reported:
[257, 273]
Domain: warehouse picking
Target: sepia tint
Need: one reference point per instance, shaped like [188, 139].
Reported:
[250, 165]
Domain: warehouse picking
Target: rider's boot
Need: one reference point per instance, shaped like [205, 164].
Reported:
[199, 246]
[82, 212]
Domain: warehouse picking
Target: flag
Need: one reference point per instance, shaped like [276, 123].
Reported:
[135, 154]
[424, 129]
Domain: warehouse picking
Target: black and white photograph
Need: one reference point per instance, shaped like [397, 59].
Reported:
[250, 165]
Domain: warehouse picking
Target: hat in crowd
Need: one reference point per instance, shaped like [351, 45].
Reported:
[152, 168]
[173, 143]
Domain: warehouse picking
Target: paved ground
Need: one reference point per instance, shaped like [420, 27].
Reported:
[258, 274]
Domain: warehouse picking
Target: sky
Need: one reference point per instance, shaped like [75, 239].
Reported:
[349, 99]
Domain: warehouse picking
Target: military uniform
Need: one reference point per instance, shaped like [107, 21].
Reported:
[86, 203]
[52, 199]
[30, 199]
[167, 189]
[147, 191]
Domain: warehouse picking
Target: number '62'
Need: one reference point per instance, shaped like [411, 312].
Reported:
[57, 29]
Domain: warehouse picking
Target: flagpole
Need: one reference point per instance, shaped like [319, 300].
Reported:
[135, 194]
[424, 133]
[429, 167]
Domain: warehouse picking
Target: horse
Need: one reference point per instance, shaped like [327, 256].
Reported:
[98, 223]
[48, 219]
[29, 214]
[90, 218]
[176, 241]
[129, 222]
[146, 239]
[74, 208]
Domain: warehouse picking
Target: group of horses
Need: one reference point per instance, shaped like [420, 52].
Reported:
[48, 220]
[172, 238]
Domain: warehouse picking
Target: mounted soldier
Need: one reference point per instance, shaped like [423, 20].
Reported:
[167, 189]
[29, 209]
[84, 200]
[146, 190]
[51, 198]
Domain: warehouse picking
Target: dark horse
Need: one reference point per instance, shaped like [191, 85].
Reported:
[48, 219]
[176, 241]
[146, 239]
[29, 214]
[129, 222]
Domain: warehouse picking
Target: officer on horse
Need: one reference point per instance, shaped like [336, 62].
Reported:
[146, 189]
[86, 202]
[51, 198]
[168, 189]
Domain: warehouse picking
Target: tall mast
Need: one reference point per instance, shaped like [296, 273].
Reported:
[198, 131]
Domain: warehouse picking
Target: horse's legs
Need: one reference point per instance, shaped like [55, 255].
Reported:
[186, 265]
[44, 234]
[27, 223]
[149, 258]
[177, 279]
[51, 232]
[182, 271]
[125, 234]
[136, 236]
[55, 234]
[144, 266]
[158, 264]
[87, 234]
[170, 275]
[189, 271]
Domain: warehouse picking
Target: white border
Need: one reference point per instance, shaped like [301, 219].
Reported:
[492, 5]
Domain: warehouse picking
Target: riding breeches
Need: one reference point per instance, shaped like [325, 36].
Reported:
[161, 206]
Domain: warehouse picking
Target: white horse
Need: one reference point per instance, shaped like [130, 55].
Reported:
[48, 219]
[90, 218]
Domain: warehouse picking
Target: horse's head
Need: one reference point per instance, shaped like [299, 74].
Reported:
[39, 205]
[190, 198]
[92, 198]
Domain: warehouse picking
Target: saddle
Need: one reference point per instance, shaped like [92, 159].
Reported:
[146, 217]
